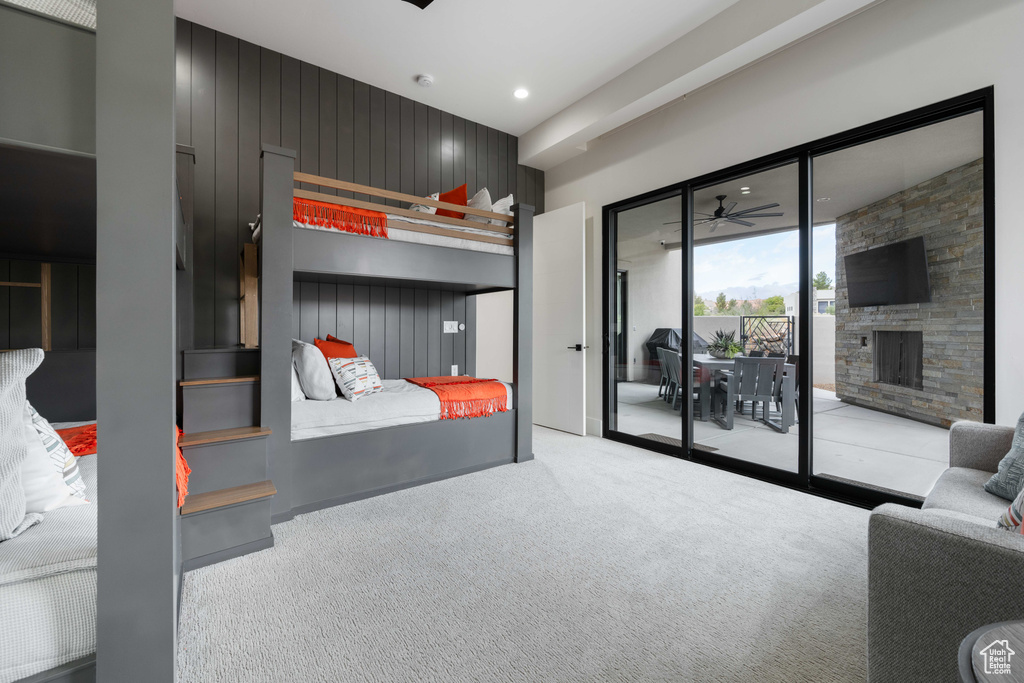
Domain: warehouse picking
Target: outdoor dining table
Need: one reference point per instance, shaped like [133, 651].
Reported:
[707, 365]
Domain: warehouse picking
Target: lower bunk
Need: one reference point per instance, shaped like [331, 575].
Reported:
[331, 470]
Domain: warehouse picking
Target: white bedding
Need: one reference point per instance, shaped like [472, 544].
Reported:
[400, 403]
[48, 588]
[399, 235]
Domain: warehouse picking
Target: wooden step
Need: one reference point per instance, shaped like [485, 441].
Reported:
[201, 502]
[218, 380]
[220, 435]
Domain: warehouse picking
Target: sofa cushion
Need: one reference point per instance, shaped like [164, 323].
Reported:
[1009, 480]
[963, 490]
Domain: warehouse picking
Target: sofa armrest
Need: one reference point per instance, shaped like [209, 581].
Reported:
[932, 579]
[978, 446]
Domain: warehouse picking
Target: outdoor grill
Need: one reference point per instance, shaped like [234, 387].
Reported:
[668, 338]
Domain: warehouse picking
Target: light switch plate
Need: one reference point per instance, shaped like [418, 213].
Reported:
[455, 371]
[451, 326]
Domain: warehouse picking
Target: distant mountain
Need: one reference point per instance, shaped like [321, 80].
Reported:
[753, 292]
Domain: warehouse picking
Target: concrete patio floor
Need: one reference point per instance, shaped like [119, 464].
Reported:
[849, 442]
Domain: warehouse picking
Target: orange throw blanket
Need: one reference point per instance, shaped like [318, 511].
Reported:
[465, 396]
[344, 218]
[80, 440]
[181, 471]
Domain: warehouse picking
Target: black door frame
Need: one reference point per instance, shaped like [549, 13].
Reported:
[983, 101]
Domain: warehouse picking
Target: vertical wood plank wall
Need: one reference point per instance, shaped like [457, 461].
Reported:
[233, 95]
[400, 329]
[73, 306]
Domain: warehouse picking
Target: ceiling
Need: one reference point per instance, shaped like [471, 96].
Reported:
[478, 51]
[851, 178]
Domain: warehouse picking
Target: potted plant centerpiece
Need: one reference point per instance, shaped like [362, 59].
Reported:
[724, 345]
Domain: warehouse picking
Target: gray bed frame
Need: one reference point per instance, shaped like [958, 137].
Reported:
[321, 472]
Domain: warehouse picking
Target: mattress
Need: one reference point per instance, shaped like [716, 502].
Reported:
[48, 588]
[401, 403]
[399, 235]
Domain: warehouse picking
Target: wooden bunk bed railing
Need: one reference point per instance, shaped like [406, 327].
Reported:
[503, 234]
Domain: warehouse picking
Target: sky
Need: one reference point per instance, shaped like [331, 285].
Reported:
[764, 266]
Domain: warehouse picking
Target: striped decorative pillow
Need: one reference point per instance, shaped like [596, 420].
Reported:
[1011, 519]
[356, 377]
[61, 457]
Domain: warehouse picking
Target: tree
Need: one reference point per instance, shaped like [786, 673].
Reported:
[720, 302]
[699, 307]
[775, 304]
[831, 310]
[822, 281]
[732, 304]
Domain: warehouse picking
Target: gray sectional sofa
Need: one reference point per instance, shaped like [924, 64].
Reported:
[936, 574]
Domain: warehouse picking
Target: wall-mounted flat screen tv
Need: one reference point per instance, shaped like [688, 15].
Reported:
[885, 276]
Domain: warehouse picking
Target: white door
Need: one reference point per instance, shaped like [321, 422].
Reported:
[559, 320]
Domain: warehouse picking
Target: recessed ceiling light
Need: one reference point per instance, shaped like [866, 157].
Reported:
[823, 199]
[521, 93]
[744, 188]
[745, 192]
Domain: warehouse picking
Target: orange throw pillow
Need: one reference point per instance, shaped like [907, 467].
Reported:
[456, 196]
[335, 348]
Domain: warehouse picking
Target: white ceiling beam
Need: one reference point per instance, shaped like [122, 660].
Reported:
[746, 32]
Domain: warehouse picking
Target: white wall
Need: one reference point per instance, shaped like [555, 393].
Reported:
[896, 56]
[494, 336]
[655, 299]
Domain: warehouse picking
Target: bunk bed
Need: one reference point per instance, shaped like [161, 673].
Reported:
[316, 461]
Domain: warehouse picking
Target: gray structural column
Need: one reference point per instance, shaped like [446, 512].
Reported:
[276, 284]
[522, 331]
[135, 312]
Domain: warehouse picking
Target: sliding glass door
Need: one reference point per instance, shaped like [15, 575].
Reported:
[818, 317]
[646, 389]
[746, 288]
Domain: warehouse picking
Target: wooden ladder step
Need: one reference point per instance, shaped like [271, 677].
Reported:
[201, 502]
[221, 435]
[218, 380]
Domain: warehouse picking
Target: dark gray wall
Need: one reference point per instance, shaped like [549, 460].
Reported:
[135, 392]
[72, 299]
[400, 329]
[47, 83]
[232, 96]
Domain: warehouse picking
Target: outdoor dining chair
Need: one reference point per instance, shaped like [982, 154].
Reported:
[758, 380]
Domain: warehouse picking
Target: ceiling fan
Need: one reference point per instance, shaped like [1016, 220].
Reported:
[726, 214]
[422, 4]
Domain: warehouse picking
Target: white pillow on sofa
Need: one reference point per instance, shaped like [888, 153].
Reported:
[42, 477]
[315, 376]
[297, 394]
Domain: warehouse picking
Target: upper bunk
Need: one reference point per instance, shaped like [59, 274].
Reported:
[476, 253]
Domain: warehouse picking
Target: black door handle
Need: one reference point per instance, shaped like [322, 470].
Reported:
[578, 347]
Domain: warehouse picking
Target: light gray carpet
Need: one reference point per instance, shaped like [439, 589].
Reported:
[595, 562]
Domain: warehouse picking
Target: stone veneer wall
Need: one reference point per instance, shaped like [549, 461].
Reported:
[948, 212]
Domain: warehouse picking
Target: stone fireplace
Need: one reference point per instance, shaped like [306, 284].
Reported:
[923, 361]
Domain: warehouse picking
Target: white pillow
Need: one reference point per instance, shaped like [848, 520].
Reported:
[481, 200]
[42, 479]
[502, 206]
[297, 394]
[314, 375]
[61, 458]
[356, 377]
[427, 209]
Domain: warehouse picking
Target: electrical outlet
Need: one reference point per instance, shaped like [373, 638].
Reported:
[455, 371]
[451, 326]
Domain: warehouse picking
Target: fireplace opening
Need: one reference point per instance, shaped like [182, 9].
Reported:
[898, 358]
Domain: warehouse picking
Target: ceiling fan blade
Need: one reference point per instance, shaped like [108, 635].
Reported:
[728, 209]
[757, 215]
[671, 222]
[757, 208]
[739, 222]
[422, 4]
[701, 213]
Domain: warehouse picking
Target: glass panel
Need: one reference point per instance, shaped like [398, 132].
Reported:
[745, 322]
[899, 349]
[647, 319]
